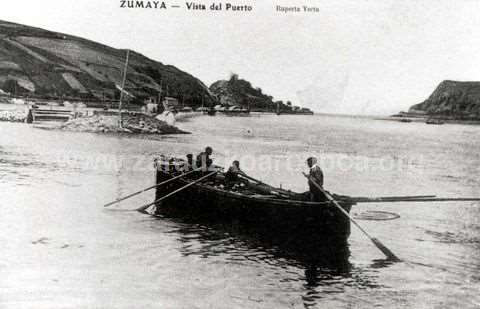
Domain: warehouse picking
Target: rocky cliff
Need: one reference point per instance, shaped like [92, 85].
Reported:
[37, 62]
[453, 99]
[240, 92]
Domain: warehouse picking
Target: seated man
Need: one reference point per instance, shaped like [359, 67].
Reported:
[203, 159]
[188, 166]
[231, 176]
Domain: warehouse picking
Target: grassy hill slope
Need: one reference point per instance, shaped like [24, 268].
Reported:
[48, 64]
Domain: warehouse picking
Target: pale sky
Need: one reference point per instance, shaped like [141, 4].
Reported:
[355, 57]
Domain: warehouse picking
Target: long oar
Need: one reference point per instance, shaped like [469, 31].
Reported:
[361, 199]
[145, 207]
[273, 189]
[439, 199]
[251, 178]
[389, 254]
[149, 188]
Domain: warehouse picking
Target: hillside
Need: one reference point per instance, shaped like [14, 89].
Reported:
[37, 62]
[240, 92]
[453, 99]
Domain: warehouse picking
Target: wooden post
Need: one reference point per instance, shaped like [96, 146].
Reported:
[120, 124]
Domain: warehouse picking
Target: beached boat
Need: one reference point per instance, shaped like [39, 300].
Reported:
[50, 114]
[205, 110]
[236, 111]
[272, 214]
[302, 111]
[232, 110]
[434, 121]
[186, 113]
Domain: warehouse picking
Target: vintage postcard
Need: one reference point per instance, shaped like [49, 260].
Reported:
[239, 154]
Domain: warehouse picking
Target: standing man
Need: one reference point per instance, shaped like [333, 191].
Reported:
[203, 159]
[316, 175]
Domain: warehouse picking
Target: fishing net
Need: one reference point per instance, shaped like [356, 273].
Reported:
[376, 215]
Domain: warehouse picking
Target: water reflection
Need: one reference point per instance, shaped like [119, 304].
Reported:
[19, 166]
[319, 273]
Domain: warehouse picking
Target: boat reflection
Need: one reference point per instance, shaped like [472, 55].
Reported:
[320, 271]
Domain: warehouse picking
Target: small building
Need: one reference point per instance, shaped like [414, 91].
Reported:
[170, 102]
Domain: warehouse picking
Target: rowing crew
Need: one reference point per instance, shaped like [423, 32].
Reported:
[204, 164]
[232, 178]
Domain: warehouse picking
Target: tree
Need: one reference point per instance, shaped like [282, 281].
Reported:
[233, 78]
[10, 86]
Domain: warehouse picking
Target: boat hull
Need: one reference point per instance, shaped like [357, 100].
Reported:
[295, 224]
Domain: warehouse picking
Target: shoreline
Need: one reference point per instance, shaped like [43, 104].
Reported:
[10, 112]
[134, 123]
[424, 119]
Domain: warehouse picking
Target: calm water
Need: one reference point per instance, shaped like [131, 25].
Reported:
[59, 248]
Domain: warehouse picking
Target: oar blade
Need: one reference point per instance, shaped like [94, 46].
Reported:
[143, 211]
[389, 254]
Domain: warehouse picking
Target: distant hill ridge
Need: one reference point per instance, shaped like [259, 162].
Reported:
[48, 64]
[454, 99]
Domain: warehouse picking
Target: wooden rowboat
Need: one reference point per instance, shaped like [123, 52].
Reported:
[271, 214]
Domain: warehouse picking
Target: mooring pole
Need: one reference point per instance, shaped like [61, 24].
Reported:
[120, 123]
